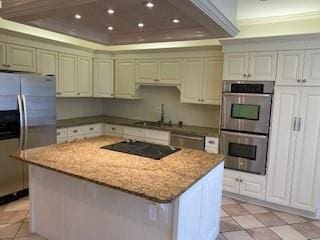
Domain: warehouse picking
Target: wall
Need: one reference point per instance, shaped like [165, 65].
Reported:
[148, 108]
[78, 107]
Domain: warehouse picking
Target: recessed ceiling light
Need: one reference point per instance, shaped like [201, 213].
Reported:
[110, 11]
[175, 20]
[149, 4]
[110, 28]
[140, 25]
[77, 16]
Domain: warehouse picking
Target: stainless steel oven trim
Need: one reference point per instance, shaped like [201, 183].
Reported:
[261, 142]
[246, 125]
[268, 85]
[21, 140]
[246, 94]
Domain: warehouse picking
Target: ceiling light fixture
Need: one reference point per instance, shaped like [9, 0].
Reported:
[149, 4]
[110, 11]
[110, 28]
[140, 25]
[176, 20]
[77, 16]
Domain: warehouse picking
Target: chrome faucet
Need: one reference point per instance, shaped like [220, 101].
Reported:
[162, 114]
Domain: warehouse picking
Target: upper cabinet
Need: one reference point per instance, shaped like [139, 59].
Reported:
[47, 64]
[19, 58]
[68, 73]
[252, 66]
[299, 68]
[103, 78]
[85, 77]
[202, 80]
[161, 71]
[3, 56]
[125, 71]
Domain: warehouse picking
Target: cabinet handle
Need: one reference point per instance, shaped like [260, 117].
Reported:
[249, 75]
[241, 180]
[91, 129]
[245, 75]
[298, 80]
[304, 80]
[202, 100]
[299, 124]
[113, 129]
[132, 96]
[237, 179]
[75, 131]
[212, 142]
[295, 124]
[156, 80]
[78, 94]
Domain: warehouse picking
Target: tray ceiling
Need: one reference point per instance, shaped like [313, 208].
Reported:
[59, 16]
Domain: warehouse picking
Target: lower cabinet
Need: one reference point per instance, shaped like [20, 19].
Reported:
[246, 184]
[71, 134]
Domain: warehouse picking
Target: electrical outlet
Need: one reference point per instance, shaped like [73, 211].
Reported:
[153, 212]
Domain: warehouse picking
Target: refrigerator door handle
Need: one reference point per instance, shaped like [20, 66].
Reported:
[21, 121]
[24, 104]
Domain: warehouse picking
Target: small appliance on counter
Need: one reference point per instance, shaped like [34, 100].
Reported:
[27, 119]
[245, 123]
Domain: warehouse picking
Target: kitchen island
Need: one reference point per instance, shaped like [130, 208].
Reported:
[80, 191]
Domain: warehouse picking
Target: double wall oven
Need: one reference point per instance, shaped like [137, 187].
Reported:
[245, 123]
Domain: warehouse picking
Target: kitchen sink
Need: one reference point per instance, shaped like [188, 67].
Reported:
[153, 124]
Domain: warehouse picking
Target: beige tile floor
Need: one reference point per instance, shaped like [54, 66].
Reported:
[239, 221]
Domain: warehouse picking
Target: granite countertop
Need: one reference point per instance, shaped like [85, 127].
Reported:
[160, 181]
[185, 129]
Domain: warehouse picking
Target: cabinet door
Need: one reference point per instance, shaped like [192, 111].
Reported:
[311, 74]
[282, 144]
[235, 66]
[47, 64]
[85, 77]
[3, 56]
[169, 71]
[231, 181]
[262, 66]
[125, 79]
[290, 68]
[68, 74]
[306, 177]
[212, 84]
[146, 71]
[192, 80]
[252, 185]
[103, 78]
[21, 58]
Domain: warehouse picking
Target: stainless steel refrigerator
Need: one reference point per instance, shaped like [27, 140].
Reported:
[27, 120]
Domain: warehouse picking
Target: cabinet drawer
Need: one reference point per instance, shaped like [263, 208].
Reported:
[114, 130]
[75, 138]
[212, 144]
[157, 135]
[93, 128]
[135, 132]
[91, 135]
[75, 131]
[62, 140]
[62, 133]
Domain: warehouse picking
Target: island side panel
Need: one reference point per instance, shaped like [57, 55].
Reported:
[197, 211]
[68, 208]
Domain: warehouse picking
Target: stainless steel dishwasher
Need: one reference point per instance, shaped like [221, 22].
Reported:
[187, 141]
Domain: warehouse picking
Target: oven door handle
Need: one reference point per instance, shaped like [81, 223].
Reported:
[247, 94]
[244, 134]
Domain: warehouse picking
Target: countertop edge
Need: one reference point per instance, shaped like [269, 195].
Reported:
[157, 200]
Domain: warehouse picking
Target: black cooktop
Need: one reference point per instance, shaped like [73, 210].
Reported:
[149, 150]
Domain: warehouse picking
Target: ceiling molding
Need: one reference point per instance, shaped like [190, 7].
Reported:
[277, 19]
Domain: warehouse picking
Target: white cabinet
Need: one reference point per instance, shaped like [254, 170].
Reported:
[306, 175]
[68, 74]
[21, 58]
[159, 71]
[202, 80]
[169, 71]
[146, 71]
[253, 66]
[235, 66]
[85, 77]
[311, 75]
[114, 130]
[103, 78]
[48, 64]
[3, 56]
[125, 71]
[299, 68]
[212, 144]
[294, 158]
[290, 68]
[282, 144]
[147, 135]
[212, 82]
[250, 185]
